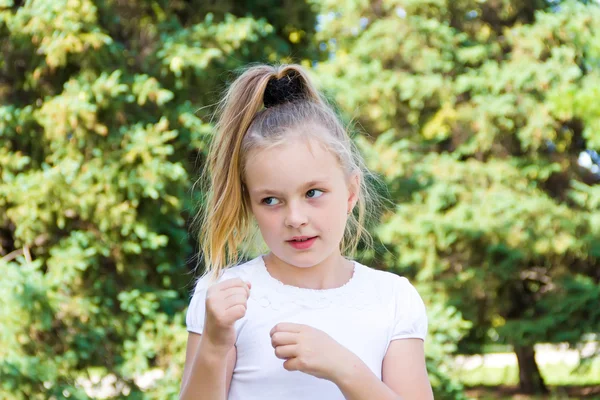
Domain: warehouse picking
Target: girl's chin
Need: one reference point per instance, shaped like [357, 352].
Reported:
[298, 260]
[303, 265]
[304, 260]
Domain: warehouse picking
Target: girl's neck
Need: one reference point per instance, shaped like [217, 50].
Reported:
[333, 272]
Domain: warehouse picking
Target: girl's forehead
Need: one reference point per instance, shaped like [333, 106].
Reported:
[288, 152]
[292, 163]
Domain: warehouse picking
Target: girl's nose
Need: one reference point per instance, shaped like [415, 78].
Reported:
[295, 217]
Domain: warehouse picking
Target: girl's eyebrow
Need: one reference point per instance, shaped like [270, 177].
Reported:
[307, 185]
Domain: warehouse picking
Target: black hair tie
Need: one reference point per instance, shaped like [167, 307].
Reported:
[287, 88]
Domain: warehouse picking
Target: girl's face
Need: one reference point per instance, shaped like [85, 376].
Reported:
[299, 191]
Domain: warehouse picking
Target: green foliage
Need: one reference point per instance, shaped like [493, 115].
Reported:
[441, 341]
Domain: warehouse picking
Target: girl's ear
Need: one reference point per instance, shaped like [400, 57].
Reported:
[353, 191]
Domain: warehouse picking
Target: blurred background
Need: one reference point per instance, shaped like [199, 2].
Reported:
[481, 116]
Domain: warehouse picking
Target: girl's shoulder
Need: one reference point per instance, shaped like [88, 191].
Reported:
[410, 314]
[382, 280]
[245, 271]
[391, 288]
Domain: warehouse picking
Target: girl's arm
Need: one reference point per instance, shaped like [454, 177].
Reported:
[404, 369]
[404, 375]
[210, 357]
[207, 372]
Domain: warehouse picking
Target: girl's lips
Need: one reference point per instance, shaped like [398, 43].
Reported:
[302, 245]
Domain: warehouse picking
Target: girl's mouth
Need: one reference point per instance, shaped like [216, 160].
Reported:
[302, 244]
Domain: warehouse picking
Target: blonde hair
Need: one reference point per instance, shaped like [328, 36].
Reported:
[259, 110]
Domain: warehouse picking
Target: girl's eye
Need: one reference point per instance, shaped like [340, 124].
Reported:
[314, 193]
[270, 201]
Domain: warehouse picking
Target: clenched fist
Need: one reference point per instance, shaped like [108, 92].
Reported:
[311, 351]
[226, 302]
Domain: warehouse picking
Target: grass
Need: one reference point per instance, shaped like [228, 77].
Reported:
[553, 374]
[556, 393]
[562, 380]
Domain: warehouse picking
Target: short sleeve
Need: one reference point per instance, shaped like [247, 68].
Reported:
[410, 316]
[194, 318]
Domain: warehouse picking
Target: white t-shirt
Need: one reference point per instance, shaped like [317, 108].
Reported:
[364, 315]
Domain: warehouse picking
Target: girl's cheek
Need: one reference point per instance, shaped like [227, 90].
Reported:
[270, 215]
[320, 202]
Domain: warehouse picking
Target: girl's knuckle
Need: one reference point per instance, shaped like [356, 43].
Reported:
[238, 282]
[240, 310]
[302, 363]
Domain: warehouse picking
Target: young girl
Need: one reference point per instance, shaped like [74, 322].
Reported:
[303, 321]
